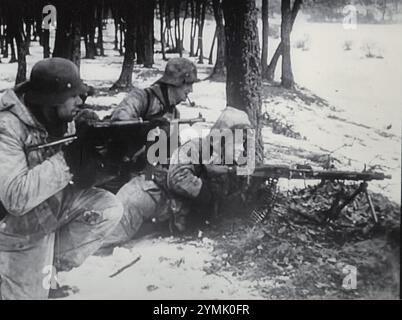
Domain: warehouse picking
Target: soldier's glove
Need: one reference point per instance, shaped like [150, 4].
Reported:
[85, 116]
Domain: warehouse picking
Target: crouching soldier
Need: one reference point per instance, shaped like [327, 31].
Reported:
[53, 217]
[157, 103]
[162, 97]
[189, 187]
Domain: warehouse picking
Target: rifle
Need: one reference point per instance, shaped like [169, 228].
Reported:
[269, 174]
[100, 128]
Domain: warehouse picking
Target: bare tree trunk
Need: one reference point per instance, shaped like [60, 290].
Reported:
[219, 72]
[243, 62]
[68, 33]
[162, 31]
[6, 41]
[148, 32]
[122, 37]
[89, 30]
[265, 28]
[116, 27]
[28, 33]
[15, 29]
[192, 29]
[200, 31]
[384, 9]
[99, 15]
[278, 52]
[126, 75]
[45, 43]
[76, 37]
[63, 42]
[286, 27]
[183, 22]
[210, 59]
[22, 63]
[13, 57]
[2, 37]
[177, 31]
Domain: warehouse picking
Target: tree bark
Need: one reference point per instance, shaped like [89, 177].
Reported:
[116, 29]
[89, 30]
[278, 52]
[13, 57]
[219, 72]
[126, 75]
[183, 23]
[99, 19]
[243, 62]
[177, 31]
[22, 63]
[68, 33]
[286, 27]
[15, 29]
[45, 43]
[63, 42]
[162, 27]
[76, 37]
[192, 29]
[203, 4]
[265, 28]
[210, 59]
[147, 30]
[28, 29]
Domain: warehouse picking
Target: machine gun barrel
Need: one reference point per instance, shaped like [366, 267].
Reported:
[306, 172]
[102, 124]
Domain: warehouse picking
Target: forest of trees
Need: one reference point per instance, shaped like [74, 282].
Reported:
[236, 38]
[235, 50]
[21, 21]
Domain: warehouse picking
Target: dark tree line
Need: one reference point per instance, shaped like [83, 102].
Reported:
[21, 22]
[235, 43]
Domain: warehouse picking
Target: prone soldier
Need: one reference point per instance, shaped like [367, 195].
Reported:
[186, 189]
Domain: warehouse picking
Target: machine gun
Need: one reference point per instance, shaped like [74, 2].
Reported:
[108, 128]
[119, 146]
[267, 176]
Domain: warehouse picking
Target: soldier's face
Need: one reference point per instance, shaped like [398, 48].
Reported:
[68, 110]
[179, 94]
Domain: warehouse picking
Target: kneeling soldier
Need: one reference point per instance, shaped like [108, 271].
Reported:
[52, 214]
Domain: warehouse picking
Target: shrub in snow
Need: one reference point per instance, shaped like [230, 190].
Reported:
[372, 50]
[303, 43]
[347, 45]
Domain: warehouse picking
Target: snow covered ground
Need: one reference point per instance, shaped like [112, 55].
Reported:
[361, 124]
[167, 269]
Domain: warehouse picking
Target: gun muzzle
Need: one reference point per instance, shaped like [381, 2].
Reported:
[64, 140]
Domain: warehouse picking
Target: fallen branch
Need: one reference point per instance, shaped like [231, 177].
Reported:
[125, 267]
